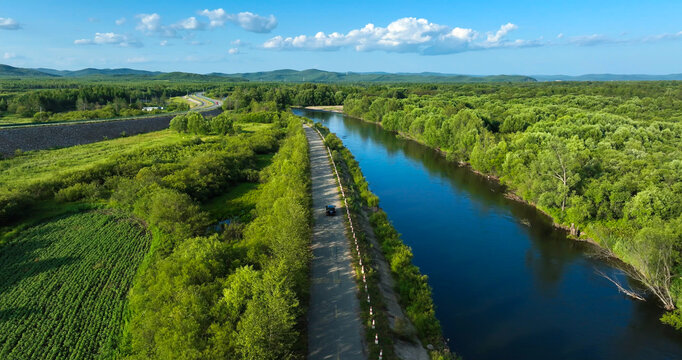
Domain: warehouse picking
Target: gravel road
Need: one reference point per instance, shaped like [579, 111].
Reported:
[334, 327]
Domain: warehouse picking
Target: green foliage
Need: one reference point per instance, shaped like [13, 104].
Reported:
[64, 284]
[236, 295]
[223, 124]
[604, 156]
[197, 124]
[78, 191]
[179, 123]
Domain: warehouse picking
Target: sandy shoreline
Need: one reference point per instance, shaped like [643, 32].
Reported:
[331, 108]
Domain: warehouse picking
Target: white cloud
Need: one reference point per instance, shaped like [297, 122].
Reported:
[109, 38]
[233, 51]
[9, 24]
[560, 36]
[503, 31]
[217, 17]
[164, 43]
[661, 37]
[601, 39]
[238, 42]
[9, 56]
[403, 35]
[151, 24]
[246, 20]
[121, 21]
[592, 40]
[190, 23]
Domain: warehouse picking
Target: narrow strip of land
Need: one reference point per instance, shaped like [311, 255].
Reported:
[334, 327]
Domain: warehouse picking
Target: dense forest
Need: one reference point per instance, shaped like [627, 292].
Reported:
[52, 100]
[603, 158]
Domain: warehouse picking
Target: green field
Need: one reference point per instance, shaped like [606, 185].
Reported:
[65, 283]
[10, 119]
[47, 164]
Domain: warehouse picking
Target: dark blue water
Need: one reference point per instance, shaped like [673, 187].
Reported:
[506, 284]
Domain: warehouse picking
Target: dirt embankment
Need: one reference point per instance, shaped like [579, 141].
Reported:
[64, 135]
[331, 108]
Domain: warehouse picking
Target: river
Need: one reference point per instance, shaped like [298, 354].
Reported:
[506, 283]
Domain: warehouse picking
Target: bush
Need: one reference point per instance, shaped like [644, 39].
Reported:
[79, 191]
[179, 124]
[172, 212]
[197, 124]
[222, 124]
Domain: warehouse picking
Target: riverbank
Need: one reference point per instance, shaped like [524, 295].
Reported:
[330, 108]
[408, 303]
[576, 232]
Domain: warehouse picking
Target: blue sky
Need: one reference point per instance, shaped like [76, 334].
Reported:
[473, 37]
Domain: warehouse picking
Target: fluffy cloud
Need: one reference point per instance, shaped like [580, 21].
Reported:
[9, 24]
[403, 35]
[150, 24]
[233, 51]
[109, 38]
[246, 20]
[502, 32]
[120, 21]
[190, 23]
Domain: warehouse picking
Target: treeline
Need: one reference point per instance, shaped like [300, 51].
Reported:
[87, 101]
[241, 97]
[603, 157]
[225, 123]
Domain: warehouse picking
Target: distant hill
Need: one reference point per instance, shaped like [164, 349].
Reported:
[7, 71]
[314, 75]
[609, 77]
[10, 71]
[97, 72]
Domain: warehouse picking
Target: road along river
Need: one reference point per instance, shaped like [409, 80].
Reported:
[506, 283]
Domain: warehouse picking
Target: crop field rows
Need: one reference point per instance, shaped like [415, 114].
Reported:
[64, 285]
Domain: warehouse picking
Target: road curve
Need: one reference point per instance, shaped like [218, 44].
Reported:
[334, 327]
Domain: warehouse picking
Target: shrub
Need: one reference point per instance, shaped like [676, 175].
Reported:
[222, 124]
[78, 191]
[197, 124]
[179, 124]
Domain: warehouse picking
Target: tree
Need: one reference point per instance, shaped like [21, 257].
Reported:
[222, 124]
[266, 330]
[654, 255]
[179, 124]
[197, 124]
[561, 164]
